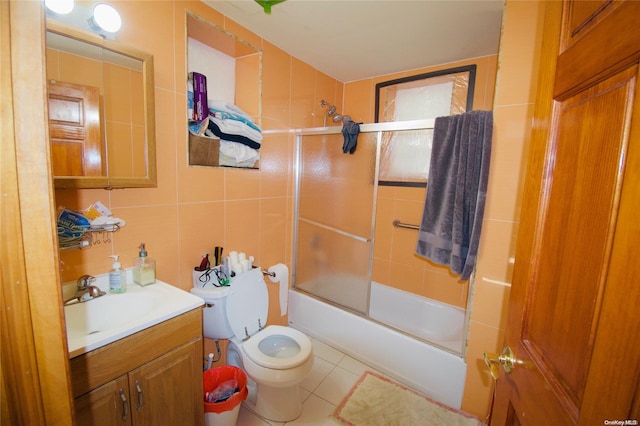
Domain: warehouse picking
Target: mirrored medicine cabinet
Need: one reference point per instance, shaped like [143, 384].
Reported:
[101, 111]
[232, 67]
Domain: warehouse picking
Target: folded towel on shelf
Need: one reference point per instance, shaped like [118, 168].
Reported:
[228, 107]
[239, 152]
[234, 127]
[225, 115]
[234, 154]
[235, 131]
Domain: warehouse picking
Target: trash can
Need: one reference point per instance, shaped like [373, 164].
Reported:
[224, 390]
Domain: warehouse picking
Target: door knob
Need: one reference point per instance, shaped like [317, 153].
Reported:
[507, 359]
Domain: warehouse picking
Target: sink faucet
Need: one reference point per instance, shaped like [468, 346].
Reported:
[85, 291]
[84, 281]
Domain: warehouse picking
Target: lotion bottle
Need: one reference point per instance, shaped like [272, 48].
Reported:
[144, 270]
[117, 280]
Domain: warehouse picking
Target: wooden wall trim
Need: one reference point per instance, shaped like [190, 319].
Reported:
[34, 350]
[18, 360]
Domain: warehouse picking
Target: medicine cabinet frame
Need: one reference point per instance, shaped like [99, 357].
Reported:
[147, 153]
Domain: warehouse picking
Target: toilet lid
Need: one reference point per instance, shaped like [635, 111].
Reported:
[247, 304]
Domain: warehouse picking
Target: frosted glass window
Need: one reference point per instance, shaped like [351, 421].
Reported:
[406, 155]
[417, 103]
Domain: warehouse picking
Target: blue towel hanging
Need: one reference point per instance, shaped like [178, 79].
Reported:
[456, 191]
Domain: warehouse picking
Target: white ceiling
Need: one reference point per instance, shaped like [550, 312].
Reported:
[356, 39]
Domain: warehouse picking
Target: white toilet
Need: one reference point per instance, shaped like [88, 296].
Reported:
[275, 358]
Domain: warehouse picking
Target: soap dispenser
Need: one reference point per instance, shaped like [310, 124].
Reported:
[117, 280]
[144, 270]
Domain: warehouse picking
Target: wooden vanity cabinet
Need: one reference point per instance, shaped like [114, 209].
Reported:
[153, 377]
[108, 405]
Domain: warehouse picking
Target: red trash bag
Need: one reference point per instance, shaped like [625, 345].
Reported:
[221, 382]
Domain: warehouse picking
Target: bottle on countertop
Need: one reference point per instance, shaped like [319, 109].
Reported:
[117, 280]
[144, 269]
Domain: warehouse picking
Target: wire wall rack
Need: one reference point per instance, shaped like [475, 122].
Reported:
[95, 235]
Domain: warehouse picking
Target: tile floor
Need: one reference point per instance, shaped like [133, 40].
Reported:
[332, 377]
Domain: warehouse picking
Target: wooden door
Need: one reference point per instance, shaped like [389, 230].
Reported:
[74, 129]
[163, 391]
[573, 311]
[108, 405]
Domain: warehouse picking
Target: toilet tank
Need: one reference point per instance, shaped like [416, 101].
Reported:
[214, 314]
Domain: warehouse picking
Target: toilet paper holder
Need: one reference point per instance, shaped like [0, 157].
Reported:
[271, 274]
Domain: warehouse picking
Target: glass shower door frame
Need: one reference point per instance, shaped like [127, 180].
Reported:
[379, 129]
[323, 131]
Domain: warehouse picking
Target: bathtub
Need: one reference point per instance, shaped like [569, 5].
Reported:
[435, 372]
[437, 322]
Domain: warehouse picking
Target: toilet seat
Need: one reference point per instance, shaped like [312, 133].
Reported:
[252, 347]
[247, 310]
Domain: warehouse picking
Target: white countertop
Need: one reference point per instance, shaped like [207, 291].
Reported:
[111, 317]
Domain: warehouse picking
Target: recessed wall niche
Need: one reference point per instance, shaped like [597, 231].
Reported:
[231, 135]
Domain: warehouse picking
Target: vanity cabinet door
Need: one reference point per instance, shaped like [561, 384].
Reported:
[165, 391]
[107, 405]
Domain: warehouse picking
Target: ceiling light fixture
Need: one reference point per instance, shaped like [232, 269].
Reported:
[61, 7]
[105, 18]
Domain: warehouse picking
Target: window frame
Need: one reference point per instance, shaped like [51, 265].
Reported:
[471, 69]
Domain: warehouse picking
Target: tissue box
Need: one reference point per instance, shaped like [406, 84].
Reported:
[200, 108]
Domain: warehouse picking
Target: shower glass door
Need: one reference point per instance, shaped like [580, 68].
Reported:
[334, 218]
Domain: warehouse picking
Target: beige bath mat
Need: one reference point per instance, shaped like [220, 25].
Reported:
[378, 401]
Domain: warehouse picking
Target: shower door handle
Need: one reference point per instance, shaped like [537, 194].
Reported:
[507, 359]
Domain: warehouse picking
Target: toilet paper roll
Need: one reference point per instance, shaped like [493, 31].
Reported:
[282, 276]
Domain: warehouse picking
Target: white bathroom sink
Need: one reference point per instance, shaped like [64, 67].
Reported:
[107, 318]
